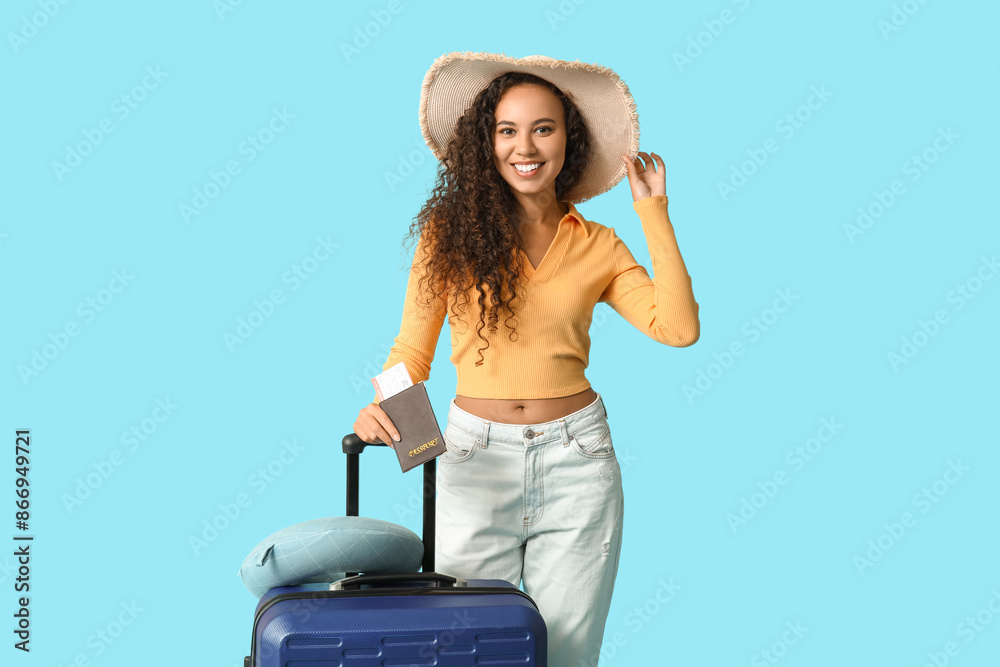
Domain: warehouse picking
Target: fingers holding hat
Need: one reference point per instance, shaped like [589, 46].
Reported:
[658, 180]
[646, 180]
[639, 189]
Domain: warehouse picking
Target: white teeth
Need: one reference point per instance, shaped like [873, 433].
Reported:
[527, 167]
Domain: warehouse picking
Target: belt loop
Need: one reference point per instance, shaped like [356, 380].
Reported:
[564, 432]
[603, 407]
[484, 438]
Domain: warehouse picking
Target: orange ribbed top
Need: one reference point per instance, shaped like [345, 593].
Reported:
[586, 263]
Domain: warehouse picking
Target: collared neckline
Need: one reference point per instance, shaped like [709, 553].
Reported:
[557, 247]
[580, 220]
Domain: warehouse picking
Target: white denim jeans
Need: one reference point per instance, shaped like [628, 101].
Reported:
[541, 503]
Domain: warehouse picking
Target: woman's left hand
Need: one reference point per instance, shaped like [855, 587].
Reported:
[644, 180]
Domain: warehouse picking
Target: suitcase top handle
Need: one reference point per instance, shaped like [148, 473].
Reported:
[435, 578]
[353, 444]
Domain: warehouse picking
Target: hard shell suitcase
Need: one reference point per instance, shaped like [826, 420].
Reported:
[423, 618]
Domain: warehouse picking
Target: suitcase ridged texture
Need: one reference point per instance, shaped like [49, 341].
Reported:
[489, 623]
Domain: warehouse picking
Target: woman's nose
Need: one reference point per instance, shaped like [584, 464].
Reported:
[525, 146]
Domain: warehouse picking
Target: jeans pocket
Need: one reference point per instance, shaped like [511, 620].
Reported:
[460, 445]
[594, 441]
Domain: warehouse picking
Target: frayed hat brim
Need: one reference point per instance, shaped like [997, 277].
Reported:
[454, 79]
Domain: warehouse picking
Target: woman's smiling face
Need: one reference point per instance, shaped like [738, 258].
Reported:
[530, 130]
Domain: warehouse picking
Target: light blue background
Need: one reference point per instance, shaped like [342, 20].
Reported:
[304, 373]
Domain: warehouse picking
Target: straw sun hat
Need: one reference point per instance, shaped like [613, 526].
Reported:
[454, 80]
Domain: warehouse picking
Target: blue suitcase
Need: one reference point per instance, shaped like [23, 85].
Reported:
[423, 618]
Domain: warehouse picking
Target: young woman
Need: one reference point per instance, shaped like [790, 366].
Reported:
[529, 489]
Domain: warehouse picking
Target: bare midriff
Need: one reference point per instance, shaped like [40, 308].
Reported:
[525, 410]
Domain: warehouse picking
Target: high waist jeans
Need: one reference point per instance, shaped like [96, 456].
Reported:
[538, 502]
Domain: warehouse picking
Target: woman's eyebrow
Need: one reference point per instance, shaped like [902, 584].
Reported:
[540, 120]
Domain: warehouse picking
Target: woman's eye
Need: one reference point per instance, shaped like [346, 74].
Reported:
[504, 130]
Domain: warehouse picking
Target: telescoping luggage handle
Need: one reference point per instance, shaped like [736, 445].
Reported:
[353, 447]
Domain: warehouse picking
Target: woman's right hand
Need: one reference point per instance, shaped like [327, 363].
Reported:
[374, 426]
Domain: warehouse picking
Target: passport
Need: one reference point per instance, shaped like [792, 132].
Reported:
[420, 437]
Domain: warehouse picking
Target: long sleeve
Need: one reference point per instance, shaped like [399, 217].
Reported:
[664, 307]
[420, 327]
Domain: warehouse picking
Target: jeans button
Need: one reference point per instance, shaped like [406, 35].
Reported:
[530, 433]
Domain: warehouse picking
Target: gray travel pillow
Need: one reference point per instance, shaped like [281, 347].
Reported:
[324, 550]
